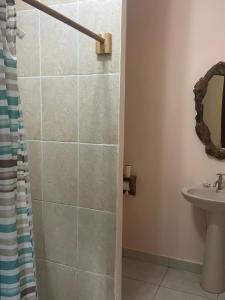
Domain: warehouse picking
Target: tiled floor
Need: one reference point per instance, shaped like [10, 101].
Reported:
[146, 281]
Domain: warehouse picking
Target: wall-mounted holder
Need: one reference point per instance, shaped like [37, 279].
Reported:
[106, 47]
[129, 185]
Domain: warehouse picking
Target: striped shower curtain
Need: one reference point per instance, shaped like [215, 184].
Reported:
[17, 271]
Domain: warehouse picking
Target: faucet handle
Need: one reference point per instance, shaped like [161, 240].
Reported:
[219, 182]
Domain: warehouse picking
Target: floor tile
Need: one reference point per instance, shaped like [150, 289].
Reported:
[221, 296]
[184, 281]
[137, 290]
[144, 271]
[167, 294]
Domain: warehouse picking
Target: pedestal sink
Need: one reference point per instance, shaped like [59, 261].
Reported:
[213, 202]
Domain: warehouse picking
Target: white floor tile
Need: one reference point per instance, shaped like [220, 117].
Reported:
[167, 294]
[185, 282]
[138, 290]
[144, 271]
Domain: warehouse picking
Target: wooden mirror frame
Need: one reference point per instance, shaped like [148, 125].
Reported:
[201, 128]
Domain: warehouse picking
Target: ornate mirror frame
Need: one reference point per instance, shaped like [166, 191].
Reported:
[201, 128]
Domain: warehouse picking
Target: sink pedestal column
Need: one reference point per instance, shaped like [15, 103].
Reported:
[213, 275]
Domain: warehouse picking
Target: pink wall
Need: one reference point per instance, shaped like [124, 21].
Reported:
[170, 44]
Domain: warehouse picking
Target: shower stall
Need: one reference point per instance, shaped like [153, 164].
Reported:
[71, 103]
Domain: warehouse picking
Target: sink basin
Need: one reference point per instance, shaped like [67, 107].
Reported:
[213, 202]
[206, 198]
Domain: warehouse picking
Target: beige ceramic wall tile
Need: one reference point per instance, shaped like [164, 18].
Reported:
[105, 17]
[59, 43]
[30, 94]
[53, 2]
[59, 96]
[60, 172]
[92, 286]
[56, 282]
[38, 228]
[28, 48]
[99, 109]
[60, 233]
[96, 241]
[20, 5]
[97, 182]
[34, 157]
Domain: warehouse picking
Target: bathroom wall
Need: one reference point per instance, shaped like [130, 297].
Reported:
[70, 99]
[170, 45]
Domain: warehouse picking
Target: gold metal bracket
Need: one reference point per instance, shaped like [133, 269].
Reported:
[106, 47]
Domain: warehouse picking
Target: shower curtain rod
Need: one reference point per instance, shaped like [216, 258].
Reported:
[104, 44]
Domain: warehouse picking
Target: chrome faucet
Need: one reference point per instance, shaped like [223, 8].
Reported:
[219, 182]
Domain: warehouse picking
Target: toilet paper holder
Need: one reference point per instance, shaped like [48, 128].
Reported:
[129, 185]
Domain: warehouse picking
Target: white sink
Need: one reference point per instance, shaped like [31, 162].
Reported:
[213, 202]
[206, 198]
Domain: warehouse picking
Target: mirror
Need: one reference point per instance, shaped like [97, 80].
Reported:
[212, 113]
[210, 107]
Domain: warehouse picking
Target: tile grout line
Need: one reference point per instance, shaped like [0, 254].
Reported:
[76, 206]
[68, 142]
[161, 281]
[74, 268]
[41, 120]
[70, 75]
[156, 292]
[41, 105]
[78, 145]
[63, 4]
[164, 276]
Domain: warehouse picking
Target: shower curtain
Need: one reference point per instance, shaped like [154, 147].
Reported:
[17, 268]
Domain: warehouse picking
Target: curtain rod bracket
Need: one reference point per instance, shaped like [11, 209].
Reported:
[104, 48]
